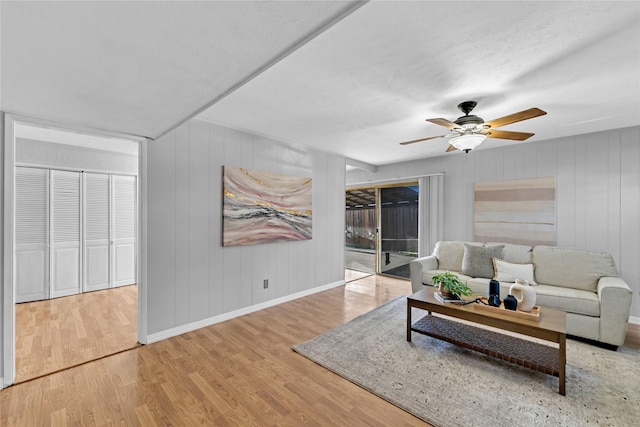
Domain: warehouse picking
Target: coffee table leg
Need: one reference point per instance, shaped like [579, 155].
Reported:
[409, 321]
[562, 359]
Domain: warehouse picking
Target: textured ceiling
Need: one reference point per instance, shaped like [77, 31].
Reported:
[333, 76]
[141, 67]
[370, 82]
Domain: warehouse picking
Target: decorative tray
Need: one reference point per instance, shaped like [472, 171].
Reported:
[534, 314]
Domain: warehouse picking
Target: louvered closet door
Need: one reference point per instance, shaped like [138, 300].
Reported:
[124, 230]
[31, 238]
[65, 233]
[96, 270]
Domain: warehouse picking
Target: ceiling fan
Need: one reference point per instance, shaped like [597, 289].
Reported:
[468, 131]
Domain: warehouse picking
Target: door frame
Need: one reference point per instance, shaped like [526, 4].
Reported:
[7, 131]
[377, 187]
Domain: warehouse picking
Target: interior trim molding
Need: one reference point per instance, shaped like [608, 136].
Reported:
[361, 165]
[141, 238]
[372, 182]
[634, 320]
[73, 169]
[8, 309]
[188, 327]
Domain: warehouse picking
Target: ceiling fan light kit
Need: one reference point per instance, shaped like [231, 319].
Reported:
[469, 131]
[467, 142]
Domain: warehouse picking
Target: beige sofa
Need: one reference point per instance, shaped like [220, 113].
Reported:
[584, 284]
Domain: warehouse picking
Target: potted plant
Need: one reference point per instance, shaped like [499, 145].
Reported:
[451, 285]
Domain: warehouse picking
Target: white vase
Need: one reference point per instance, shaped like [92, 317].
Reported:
[524, 294]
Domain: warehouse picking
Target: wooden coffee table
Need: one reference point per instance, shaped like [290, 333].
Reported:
[540, 357]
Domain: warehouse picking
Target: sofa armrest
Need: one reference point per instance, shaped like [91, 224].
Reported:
[417, 266]
[615, 305]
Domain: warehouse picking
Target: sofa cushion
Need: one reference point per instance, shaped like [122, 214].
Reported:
[569, 300]
[427, 276]
[572, 268]
[514, 253]
[449, 254]
[510, 271]
[477, 261]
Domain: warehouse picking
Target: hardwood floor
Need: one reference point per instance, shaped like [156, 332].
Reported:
[351, 275]
[236, 373]
[59, 333]
[632, 339]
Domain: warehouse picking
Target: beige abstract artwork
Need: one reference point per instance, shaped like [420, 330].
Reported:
[521, 211]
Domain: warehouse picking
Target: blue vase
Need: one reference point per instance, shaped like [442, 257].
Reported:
[510, 302]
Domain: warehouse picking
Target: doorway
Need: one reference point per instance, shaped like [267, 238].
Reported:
[75, 309]
[381, 228]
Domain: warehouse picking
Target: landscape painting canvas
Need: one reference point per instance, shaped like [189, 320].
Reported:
[521, 211]
[264, 207]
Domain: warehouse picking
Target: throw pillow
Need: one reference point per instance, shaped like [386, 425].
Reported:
[477, 261]
[510, 271]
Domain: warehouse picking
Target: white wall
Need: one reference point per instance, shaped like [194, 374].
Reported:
[191, 277]
[55, 155]
[597, 190]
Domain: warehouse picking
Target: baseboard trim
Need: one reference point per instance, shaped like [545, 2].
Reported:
[168, 333]
[634, 320]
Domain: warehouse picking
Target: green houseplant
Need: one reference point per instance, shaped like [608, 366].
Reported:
[450, 284]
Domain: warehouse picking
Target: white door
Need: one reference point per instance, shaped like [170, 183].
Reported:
[65, 233]
[124, 230]
[96, 272]
[31, 234]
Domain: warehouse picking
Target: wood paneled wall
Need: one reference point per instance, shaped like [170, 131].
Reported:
[191, 277]
[597, 190]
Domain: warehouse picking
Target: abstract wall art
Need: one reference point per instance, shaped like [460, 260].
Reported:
[264, 207]
[521, 211]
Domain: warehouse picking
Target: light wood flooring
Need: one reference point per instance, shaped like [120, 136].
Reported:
[236, 373]
[59, 333]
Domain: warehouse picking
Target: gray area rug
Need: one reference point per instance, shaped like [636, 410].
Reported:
[449, 386]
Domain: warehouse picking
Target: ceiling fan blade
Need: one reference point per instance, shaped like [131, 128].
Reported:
[444, 122]
[451, 148]
[423, 139]
[505, 134]
[516, 117]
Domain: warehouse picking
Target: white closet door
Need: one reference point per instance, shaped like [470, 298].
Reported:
[65, 233]
[124, 230]
[96, 232]
[31, 238]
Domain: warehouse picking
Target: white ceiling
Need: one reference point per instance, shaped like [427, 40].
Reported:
[141, 67]
[333, 76]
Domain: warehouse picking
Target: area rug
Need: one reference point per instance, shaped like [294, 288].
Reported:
[445, 385]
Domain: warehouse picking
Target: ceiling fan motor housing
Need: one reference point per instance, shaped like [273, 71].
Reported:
[469, 122]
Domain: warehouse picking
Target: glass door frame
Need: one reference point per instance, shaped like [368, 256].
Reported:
[378, 217]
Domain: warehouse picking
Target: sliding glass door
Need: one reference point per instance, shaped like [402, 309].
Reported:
[361, 230]
[399, 229]
[381, 234]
